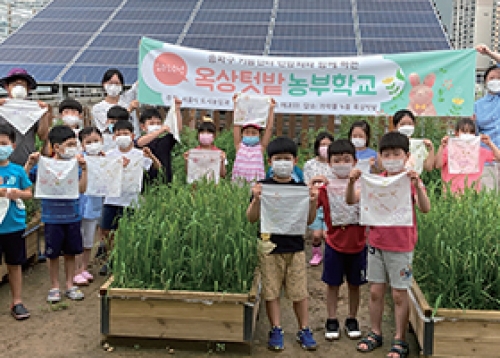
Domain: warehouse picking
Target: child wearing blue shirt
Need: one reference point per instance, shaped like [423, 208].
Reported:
[62, 217]
[359, 134]
[14, 186]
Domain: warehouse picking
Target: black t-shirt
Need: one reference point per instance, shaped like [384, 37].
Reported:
[162, 149]
[285, 243]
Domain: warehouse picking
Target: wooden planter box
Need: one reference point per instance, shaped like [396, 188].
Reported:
[451, 332]
[31, 234]
[179, 315]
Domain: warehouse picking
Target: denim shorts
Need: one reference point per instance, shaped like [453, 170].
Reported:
[63, 239]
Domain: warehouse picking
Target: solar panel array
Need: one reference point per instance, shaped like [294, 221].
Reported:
[75, 41]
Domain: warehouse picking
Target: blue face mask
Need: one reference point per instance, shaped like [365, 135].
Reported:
[251, 141]
[110, 127]
[5, 151]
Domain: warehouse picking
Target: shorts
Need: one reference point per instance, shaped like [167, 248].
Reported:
[88, 232]
[337, 265]
[319, 222]
[390, 267]
[13, 246]
[490, 177]
[287, 269]
[63, 239]
[111, 214]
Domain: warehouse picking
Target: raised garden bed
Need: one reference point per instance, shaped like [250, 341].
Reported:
[179, 315]
[453, 332]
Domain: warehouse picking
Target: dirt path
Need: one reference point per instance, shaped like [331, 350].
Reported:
[74, 332]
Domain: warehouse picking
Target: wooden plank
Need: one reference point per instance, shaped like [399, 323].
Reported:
[103, 290]
[390, 125]
[217, 120]
[178, 295]
[292, 125]
[417, 324]
[470, 315]
[331, 124]
[279, 124]
[317, 122]
[420, 298]
[228, 117]
[303, 131]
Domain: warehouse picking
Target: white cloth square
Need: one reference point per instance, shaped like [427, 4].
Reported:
[57, 179]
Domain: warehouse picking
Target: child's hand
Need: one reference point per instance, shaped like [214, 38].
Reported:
[3, 192]
[273, 103]
[147, 152]
[178, 102]
[81, 161]
[165, 129]
[486, 139]
[483, 49]
[33, 158]
[3, 101]
[126, 161]
[428, 145]
[257, 191]
[43, 104]
[13, 193]
[354, 175]
[318, 180]
[186, 155]
[235, 97]
[444, 141]
[413, 176]
[222, 157]
[313, 193]
[372, 161]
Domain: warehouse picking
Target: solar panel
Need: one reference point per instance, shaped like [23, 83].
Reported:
[253, 45]
[160, 28]
[54, 27]
[416, 17]
[93, 74]
[126, 41]
[371, 46]
[393, 6]
[314, 17]
[314, 45]
[70, 13]
[153, 15]
[400, 31]
[319, 30]
[110, 57]
[262, 16]
[237, 4]
[88, 3]
[40, 40]
[316, 4]
[37, 55]
[160, 4]
[228, 29]
[41, 73]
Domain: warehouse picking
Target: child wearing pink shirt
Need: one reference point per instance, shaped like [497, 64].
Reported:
[465, 127]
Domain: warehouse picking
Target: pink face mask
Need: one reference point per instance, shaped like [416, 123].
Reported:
[206, 138]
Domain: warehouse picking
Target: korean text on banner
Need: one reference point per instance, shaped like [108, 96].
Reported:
[251, 109]
[203, 164]
[463, 155]
[284, 209]
[104, 176]
[340, 212]
[367, 85]
[386, 201]
[57, 179]
[22, 114]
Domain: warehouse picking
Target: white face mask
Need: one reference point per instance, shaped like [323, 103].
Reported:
[19, 92]
[94, 148]
[69, 153]
[358, 142]
[406, 130]
[282, 168]
[113, 90]
[493, 86]
[123, 141]
[466, 136]
[341, 170]
[153, 128]
[393, 165]
[71, 120]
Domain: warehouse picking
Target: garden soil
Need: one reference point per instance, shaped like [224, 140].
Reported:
[75, 330]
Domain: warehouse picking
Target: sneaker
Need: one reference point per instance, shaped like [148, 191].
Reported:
[87, 275]
[352, 328]
[104, 270]
[306, 340]
[332, 331]
[75, 294]
[19, 312]
[317, 256]
[276, 342]
[79, 280]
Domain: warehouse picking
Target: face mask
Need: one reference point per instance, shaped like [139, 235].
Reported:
[5, 151]
[342, 170]
[358, 142]
[393, 165]
[113, 90]
[123, 141]
[94, 148]
[206, 138]
[406, 130]
[69, 153]
[71, 120]
[153, 128]
[19, 92]
[110, 127]
[466, 136]
[251, 141]
[282, 168]
[323, 151]
[493, 86]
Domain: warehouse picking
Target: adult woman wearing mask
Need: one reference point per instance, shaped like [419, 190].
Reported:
[112, 82]
[18, 83]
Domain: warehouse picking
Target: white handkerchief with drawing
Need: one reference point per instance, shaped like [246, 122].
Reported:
[340, 212]
[418, 155]
[463, 155]
[21, 114]
[251, 109]
[104, 176]
[133, 173]
[57, 179]
[171, 122]
[284, 209]
[386, 201]
[364, 165]
[4, 208]
[203, 164]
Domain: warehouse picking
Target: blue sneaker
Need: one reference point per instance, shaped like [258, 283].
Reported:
[276, 342]
[306, 340]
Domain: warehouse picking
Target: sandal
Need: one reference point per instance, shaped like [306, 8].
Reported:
[75, 294]
[400, 347]
[54, 295]
[372, 341]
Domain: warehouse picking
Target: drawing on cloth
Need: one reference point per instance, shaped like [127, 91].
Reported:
[203, 164]
[57, 179]
[463, 155]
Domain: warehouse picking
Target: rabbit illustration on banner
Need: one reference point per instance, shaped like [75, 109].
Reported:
[421, 95]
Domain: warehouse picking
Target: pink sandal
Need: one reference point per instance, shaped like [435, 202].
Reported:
[86, 275]
[80, 280]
